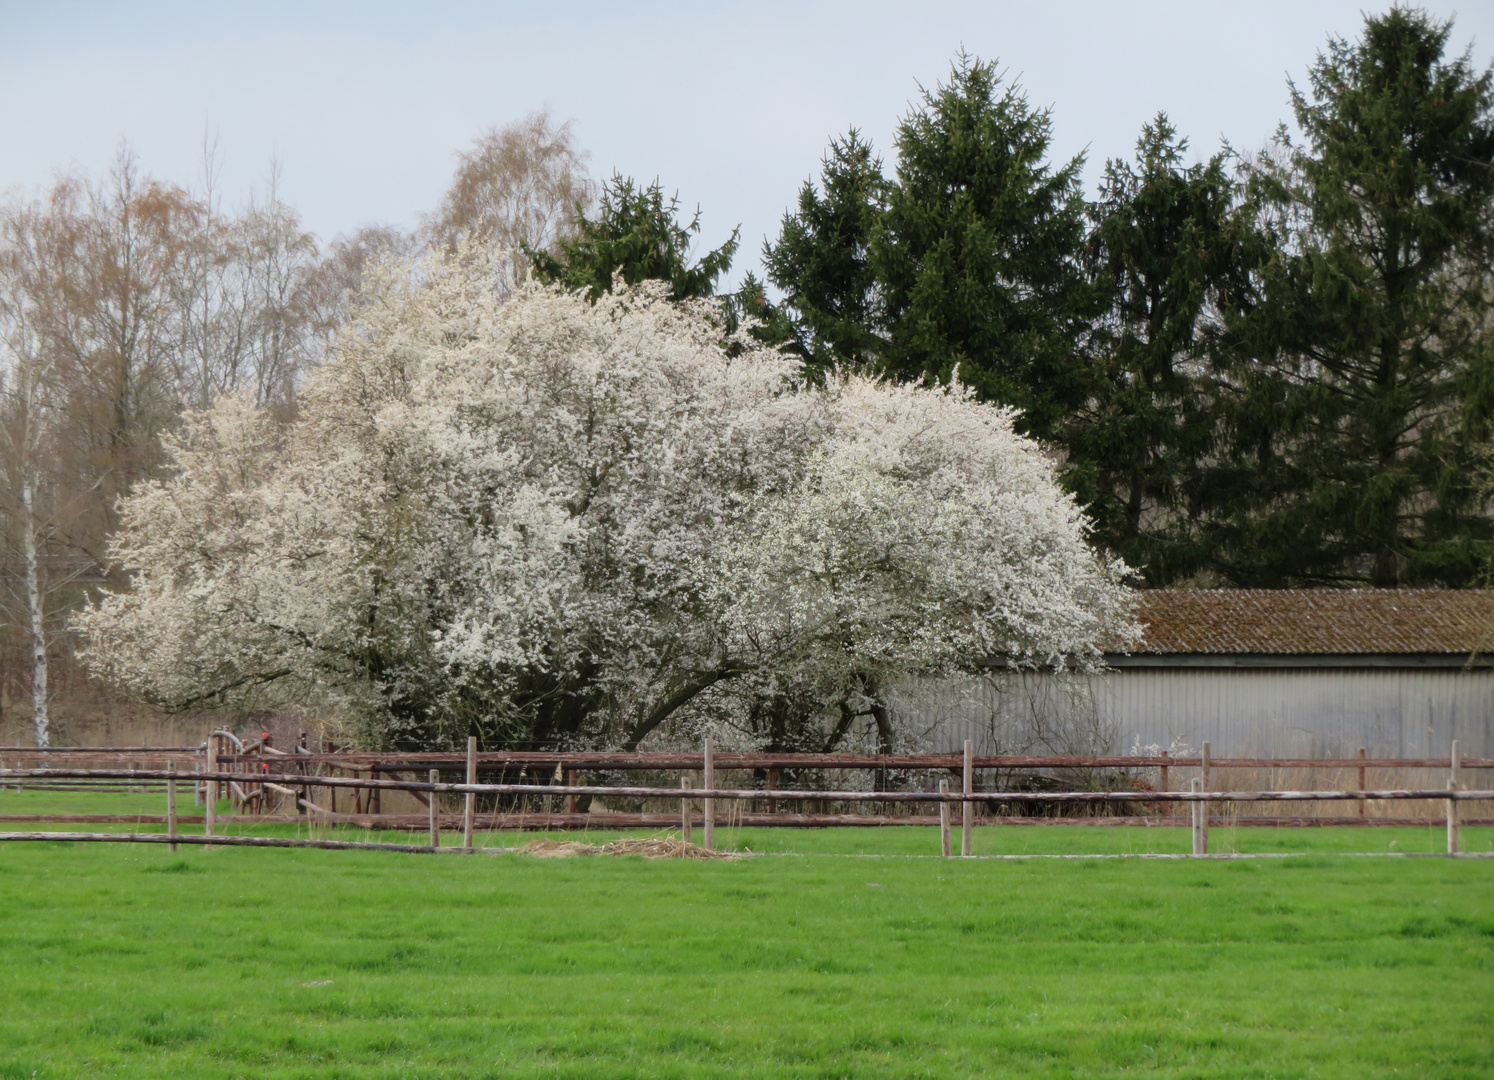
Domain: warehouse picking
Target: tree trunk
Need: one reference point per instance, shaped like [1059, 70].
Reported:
[884, 740]
[37, 613]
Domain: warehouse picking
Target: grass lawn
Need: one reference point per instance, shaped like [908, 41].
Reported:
[126, 960]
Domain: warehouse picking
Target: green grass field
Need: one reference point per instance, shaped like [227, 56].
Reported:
[126, 960]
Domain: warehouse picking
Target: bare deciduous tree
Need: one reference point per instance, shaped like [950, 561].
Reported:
[335, 284]
[122, 303]
[241, 291]
[517, 187]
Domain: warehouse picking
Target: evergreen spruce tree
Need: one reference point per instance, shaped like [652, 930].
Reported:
[1162, 247]
[1360, 370]
[637, 233]
[980, 251]
[820, 261]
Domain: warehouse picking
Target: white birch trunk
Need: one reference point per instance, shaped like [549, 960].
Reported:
[37, 612]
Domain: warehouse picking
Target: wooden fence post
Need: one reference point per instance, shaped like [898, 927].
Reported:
[469, 807]
[1200, 819]
[685, 830]
[772, 786]
[331, 771]
[708, 777]
[1452, 804]
[944, 845]
[1163, 786]
[210, 809]
[1452, 820]
[435, 778]
[171, 803]
[967, 808]
[1207, 782]
[1361, 781]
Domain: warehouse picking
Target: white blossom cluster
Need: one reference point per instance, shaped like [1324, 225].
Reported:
[558, 522]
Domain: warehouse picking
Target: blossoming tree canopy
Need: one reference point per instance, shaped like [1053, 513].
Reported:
[557, 523]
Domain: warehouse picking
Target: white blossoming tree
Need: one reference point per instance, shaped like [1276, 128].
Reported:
[558, 523]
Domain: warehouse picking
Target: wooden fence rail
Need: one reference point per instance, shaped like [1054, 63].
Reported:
[700, 794]
[246, 775]
[724, 761]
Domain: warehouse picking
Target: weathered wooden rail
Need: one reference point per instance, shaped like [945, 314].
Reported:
[257, 775]
[587, 761]
[702, 794]
[1197, 798]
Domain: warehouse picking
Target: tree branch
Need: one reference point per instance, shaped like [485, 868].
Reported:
[681, 696]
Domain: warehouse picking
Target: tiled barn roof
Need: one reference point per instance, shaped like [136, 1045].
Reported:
[1302, 622]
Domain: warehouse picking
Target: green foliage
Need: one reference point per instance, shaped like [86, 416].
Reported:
[821, 260]
[1162, 245]
[638, 234]
[1359, 373]
[977, 257]
[766, 322]
[1278, 378]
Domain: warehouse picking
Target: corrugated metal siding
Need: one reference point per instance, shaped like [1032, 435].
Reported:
[1268, 713]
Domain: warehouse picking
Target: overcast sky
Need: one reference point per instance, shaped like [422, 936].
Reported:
[732, 104]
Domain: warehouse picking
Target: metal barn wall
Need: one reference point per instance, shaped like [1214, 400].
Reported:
[1320, 712]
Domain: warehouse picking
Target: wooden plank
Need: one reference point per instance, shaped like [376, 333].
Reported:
[433, 811]
[944, 845]
[399, 774]
[171, 803]
[531, 821]
[1203, 765]
[708, 779]
[817, 795]
[1452, 804]
[210, 808]
[1452, 820]
[1200, 819]
[967, 808]
[651, 761]
[469, 806]
[1362, 803]
[219, 841]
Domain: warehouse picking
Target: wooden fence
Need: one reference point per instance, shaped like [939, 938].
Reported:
[245, 775]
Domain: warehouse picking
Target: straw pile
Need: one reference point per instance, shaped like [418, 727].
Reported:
[652, 847]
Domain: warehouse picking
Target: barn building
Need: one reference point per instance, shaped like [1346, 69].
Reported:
[1255, 672]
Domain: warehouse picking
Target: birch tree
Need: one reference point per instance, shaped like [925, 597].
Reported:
[29, 391]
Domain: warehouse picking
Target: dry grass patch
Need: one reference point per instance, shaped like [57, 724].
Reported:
[650, 847]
